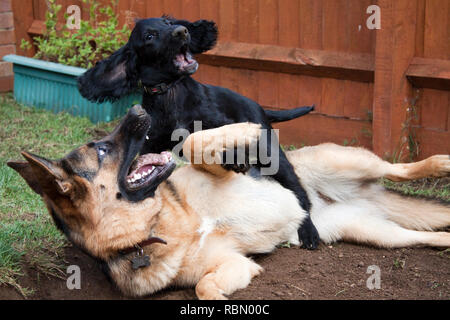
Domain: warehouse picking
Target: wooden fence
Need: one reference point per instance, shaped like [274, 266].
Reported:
[367, 85]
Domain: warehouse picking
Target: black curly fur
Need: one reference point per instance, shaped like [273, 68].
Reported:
[115, 77]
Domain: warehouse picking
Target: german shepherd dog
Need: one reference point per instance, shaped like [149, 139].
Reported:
[195, 226]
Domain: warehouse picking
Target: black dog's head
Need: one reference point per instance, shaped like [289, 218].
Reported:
[159, 51]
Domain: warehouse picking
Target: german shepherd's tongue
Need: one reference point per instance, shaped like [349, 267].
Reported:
[146, 163]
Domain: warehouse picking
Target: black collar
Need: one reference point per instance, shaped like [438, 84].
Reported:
[160, 88]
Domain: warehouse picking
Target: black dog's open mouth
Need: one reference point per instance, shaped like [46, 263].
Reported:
[146, 168]
[184, 60]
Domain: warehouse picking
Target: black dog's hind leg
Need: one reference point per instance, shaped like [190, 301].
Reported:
[286, 176]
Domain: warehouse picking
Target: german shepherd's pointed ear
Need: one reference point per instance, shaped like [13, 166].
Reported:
[24, 169]
[111, 78]
[203, 33]
[42, 175]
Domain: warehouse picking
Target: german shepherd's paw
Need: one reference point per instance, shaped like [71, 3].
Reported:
[439, 165]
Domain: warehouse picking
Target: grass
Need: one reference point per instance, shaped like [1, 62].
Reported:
[428, 187]
[27, 234]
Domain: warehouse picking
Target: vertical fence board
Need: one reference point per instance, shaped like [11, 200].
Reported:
[434, 109]
[209, 10]
[288, 35]
[420, 28]
[248, 32]
[310, 24]
[154, 8]
[395, 48]
[361, 39]
[228, 28]
[437, 29]
[358, 99]
[190, 10]
[228, 11]
[268, 34]
[334, 37]
[22, 23]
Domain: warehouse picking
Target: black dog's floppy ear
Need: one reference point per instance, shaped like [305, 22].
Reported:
[111, 78]
[203, 33]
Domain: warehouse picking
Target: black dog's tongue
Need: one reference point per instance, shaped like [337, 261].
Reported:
[183, 60]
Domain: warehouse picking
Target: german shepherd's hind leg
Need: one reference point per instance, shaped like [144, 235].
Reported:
[205, 149]
[234, 272]
[434, 166]
[394, 236]
[364, 223]
[339, 163]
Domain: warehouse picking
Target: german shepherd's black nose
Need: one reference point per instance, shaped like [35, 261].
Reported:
[137, 111]
[180, 32]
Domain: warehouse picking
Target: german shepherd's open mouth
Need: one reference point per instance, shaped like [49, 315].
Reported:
[146, 168]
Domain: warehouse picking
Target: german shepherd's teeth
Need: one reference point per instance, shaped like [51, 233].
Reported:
[147, 138]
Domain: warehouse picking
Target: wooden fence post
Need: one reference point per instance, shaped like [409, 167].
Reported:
[395, 48]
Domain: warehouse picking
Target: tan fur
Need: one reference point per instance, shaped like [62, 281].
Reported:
[216, 217]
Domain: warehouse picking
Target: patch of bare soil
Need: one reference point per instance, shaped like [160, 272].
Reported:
[332, 272]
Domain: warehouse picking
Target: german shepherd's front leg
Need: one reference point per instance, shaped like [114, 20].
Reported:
[206, 149]
[232, 271]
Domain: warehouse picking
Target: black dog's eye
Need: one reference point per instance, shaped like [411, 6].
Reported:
[149, 37]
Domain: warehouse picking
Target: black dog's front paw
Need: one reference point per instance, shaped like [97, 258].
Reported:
[233, 163]
[238, 168]
[308, 235]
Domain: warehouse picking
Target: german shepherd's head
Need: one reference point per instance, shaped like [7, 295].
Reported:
[95, 193]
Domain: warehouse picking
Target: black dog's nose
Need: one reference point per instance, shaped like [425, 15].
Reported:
[180, 32]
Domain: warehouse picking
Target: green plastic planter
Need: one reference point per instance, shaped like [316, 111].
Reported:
[53, 86]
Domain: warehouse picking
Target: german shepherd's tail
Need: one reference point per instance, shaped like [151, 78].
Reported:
[416, 214]
[286, 115]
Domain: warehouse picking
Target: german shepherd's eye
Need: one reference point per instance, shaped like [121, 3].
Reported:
[102, 151]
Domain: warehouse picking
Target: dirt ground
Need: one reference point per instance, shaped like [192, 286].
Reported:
[332, 272]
